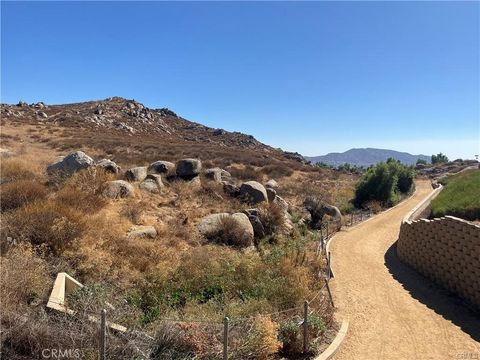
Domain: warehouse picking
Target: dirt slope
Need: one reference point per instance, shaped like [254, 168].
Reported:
[395, 313]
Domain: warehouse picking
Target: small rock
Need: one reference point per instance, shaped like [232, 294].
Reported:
[118, 189]
[75, 161]
[42, 114]
[108, 166]
[253, 192]
[188, 168]
[258, 229]
[136, 232]
[161, 167]
[217, 174]
[281, 202]
[271, 184]
[271, 194]
[136, 174]
[149, 185]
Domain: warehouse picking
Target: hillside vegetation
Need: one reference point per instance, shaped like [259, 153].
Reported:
[460, 197]
[141, 249]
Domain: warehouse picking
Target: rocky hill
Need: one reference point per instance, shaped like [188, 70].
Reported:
[366, 157]
[116, 117]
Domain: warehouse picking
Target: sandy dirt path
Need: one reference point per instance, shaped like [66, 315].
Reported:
[395, 313]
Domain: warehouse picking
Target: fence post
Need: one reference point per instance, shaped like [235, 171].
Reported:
[327, 229]
[329, 293]
[225, 338]
[103, 335]
[361, 216]
[305, 326]
[329, 262]
[351, 219]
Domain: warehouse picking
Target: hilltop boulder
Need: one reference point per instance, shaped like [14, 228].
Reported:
[118, 189]
[253, 192]
[74, 162]
[136, 174]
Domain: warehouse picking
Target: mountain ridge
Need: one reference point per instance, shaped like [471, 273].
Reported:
[366, 157]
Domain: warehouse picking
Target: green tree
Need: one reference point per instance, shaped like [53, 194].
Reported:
[439, 158]
[421, 161]
[384, 182]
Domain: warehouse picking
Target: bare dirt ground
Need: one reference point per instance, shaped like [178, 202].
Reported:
[395, 313]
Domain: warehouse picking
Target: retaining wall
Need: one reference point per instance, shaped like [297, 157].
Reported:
[446, 250]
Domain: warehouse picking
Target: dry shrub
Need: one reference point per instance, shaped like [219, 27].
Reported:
[133, 211]
[46, 222]
[277, 170]
[374, 206]
[246, 173]
[272, 217]
[262, 342]
[230, 232]
[24, 278]
[20, 193]
[13, 169]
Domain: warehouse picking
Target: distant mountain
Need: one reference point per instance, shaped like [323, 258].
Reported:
[366, 157]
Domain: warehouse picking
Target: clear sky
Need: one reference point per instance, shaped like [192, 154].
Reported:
[312, 77]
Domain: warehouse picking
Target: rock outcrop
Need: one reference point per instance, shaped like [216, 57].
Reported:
[75, 161]
[188, 168]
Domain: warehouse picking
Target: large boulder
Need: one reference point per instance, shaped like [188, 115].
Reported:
[118, 189]
[211, 225]
[108, 166]
[161, 167]
[217, 174]
[253, 192]
[136, 174]
[188, 168]
[75, 161]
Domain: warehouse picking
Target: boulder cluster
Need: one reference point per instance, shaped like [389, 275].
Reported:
[151, 179]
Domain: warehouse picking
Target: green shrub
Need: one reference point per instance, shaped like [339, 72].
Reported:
[384, 182]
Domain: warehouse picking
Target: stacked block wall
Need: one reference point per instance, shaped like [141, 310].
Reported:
[446, 250]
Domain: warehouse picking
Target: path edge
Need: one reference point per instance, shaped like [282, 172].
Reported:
[336, 343]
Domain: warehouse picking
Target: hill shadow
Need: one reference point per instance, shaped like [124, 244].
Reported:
[443, 302]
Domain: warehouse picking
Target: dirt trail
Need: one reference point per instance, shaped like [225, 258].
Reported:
[395, 313]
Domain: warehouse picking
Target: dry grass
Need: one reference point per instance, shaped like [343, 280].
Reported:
[20, 193]
[174, 275]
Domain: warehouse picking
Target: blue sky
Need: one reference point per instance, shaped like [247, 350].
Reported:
[312, 77]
